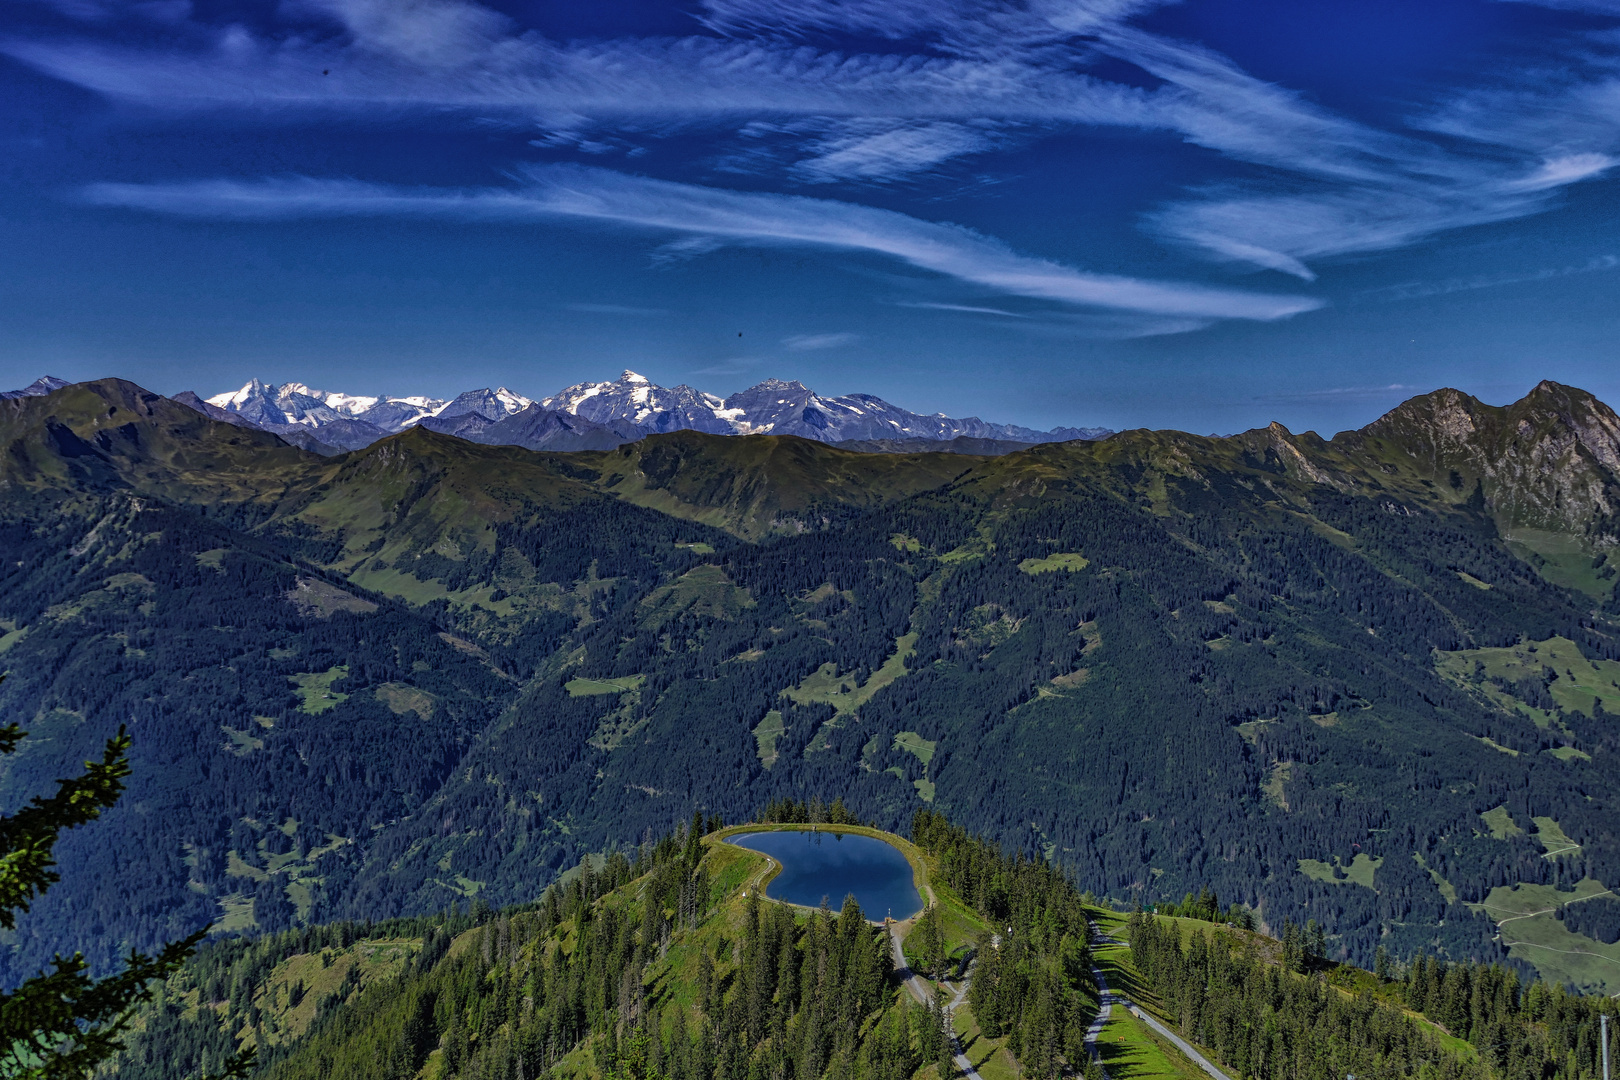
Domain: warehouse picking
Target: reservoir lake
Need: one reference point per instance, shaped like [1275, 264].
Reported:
[826, 865]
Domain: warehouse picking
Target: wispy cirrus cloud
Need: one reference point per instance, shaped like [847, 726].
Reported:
[971, 309]
[526, 74]
[1343, 187]
[1416, 290]
[716, 216]
[616, 309]
[970, 26]
[888, 149]
[1322, 185]
[813, 342]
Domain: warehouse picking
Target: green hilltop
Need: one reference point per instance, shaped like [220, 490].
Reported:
[671, 962]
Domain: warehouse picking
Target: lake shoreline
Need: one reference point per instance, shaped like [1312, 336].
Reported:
[908, 850]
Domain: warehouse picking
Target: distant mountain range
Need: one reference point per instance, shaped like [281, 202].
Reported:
[1370, 680]
[603, 415]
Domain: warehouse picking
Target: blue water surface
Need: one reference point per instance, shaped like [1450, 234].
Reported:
[824, 865]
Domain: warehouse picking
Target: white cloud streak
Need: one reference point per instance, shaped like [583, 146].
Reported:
[814, 342]
[1323, 186]
[1414, 290]
[714, 215]
[971, 309]
[886, 150]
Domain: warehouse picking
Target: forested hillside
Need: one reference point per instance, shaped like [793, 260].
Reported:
[665, 966]
[1368, 682]
[665, 962]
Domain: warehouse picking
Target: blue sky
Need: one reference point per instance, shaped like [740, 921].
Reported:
[1206, 214]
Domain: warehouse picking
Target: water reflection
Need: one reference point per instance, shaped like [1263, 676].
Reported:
[818, 866]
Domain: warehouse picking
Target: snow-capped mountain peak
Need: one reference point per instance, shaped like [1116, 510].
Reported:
[295, 404]
[626, 408]
[349, 403]
[45, 384]
[494, 404]
[638, 400]
[229, 400]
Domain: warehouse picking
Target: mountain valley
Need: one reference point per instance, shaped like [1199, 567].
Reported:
[1368, 681]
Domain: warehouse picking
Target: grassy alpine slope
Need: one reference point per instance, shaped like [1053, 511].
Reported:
[434, 671]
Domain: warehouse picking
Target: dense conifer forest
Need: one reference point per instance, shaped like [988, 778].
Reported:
[666, 962]
[639, 968]
[1367, 682]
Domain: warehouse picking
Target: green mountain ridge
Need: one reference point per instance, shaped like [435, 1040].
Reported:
[1168, 660]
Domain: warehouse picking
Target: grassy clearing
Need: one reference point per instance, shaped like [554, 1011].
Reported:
[291, 995]
[1131, 1051]
[842, 692]
[1499, 748]
[316, 599]
[1275, 786]
[1562, 559]
[402, 699]
[1500, 822]
[1447, 889]
[1250, 730]
[1358, 872]
[698, 548]
[1070, 561]
[617, 726]
[988, 1056]
[702, 590]
[316, 692]
[401, 585]
[236, 915]
[235, 867]
[1525, 917]
[593, 687]
[916, 745]
[769, 730]
[1552, 839]
[825, 685]
[1577, 682]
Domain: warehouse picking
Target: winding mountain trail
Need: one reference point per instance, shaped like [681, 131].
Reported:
[1109, 997]
[919, 990]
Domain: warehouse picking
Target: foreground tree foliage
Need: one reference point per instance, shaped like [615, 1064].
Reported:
[65, 1023]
